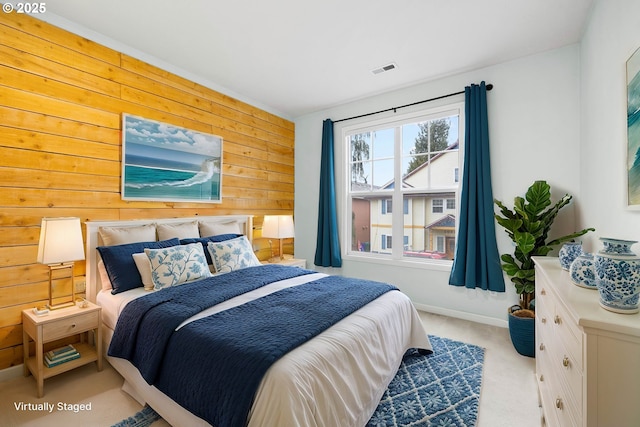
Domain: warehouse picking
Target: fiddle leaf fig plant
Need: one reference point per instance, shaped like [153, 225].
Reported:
[528, 226]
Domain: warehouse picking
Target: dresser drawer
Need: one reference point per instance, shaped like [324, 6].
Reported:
[560, 405]
[567, 333]
[70, 325]
[568, 373]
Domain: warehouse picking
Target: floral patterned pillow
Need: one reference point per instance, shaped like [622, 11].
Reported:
[232, 254]
[177, 264]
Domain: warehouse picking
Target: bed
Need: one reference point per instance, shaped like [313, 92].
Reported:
[337, 377]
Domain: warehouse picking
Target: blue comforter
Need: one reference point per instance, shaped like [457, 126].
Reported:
[213, 366]
[147, 323]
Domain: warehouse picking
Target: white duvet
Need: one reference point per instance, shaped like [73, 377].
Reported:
[335, 379]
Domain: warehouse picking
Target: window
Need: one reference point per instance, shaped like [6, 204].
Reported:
[451, 204]
[436, 206]
[404, 161]
[387, 206]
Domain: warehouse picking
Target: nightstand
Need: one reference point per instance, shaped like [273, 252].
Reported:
[55, 325]
[292, 262]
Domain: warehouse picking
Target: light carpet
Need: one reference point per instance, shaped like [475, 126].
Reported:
[440, 389]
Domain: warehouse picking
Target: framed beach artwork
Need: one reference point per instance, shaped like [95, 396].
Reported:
[633, 130]
[163, 162]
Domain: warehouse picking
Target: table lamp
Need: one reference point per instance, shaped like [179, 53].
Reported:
[278, 227]
[60, 245]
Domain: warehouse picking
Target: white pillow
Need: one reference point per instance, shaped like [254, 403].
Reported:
[144, 268]
[183, 230]
[232, 254]
[105, 282]
[215, 228]
[177, 264]
[120, 235]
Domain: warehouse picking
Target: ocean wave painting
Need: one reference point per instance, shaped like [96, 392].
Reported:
[633, 129]
[166, 162]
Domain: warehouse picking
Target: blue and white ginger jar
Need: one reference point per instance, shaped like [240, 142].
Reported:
[617, 271]
[582, 271]
[569, 252]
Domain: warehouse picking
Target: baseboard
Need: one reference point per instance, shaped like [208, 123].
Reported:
[463, 315]
[11, 373]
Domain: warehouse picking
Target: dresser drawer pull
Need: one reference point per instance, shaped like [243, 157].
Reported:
[565, 362]
[559, 404]
[541, 346]
[556, 320]
[541, 378]
[543, 292]
[73, 325]
[543, 320]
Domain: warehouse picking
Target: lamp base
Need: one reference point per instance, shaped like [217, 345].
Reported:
[70, 277]
[59, 306]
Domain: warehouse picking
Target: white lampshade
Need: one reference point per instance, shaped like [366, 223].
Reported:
[278, 226]
[60, 241]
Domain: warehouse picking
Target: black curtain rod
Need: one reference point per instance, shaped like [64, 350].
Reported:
[489, 87]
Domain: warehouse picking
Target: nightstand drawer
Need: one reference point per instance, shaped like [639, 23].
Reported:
[69, 326]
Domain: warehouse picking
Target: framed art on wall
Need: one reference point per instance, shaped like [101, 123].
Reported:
[633, 130]
[163, 162]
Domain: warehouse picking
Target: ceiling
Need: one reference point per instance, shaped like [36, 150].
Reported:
[294, 57]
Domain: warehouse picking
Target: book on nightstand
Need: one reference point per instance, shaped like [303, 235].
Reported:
[60, 355]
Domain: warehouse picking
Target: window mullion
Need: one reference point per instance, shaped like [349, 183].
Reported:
[398, 217]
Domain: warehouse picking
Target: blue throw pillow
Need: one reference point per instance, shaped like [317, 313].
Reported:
[204, 241]
[122, 270]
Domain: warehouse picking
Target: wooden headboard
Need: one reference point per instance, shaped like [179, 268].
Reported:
[93, 284]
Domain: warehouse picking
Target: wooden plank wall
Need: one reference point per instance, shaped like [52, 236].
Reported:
[61, 104]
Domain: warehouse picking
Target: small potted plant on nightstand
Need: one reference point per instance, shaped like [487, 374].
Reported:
[528, 226]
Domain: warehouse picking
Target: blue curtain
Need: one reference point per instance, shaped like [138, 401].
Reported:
[328, 245]
[477, 263]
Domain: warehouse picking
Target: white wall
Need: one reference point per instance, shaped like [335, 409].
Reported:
[534, 115]
[611, 38]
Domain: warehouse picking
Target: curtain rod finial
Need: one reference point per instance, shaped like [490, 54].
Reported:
[489, 86]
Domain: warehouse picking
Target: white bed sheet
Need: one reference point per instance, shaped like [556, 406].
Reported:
[335, 379]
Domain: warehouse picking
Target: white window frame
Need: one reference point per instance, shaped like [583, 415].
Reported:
[345, 208]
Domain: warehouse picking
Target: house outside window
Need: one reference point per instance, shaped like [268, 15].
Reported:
[403, 161]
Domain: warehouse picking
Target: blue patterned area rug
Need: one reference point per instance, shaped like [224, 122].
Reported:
[441, 389]
[144, 418]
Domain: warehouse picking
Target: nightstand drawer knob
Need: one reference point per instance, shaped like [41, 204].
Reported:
[73, 325]
[543, 320]
[556, 320]
[541, 346]
[565, 362]
[559, 404]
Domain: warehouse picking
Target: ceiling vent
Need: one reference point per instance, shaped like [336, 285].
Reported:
[384, 68]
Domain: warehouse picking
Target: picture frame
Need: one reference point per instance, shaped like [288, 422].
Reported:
[164, 162]
[633, 130]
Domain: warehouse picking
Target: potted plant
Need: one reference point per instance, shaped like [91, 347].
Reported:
[528, 226]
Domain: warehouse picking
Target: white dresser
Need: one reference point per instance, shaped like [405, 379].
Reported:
[587, 358]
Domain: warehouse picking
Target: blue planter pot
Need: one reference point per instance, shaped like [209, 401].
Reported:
[523, 333]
